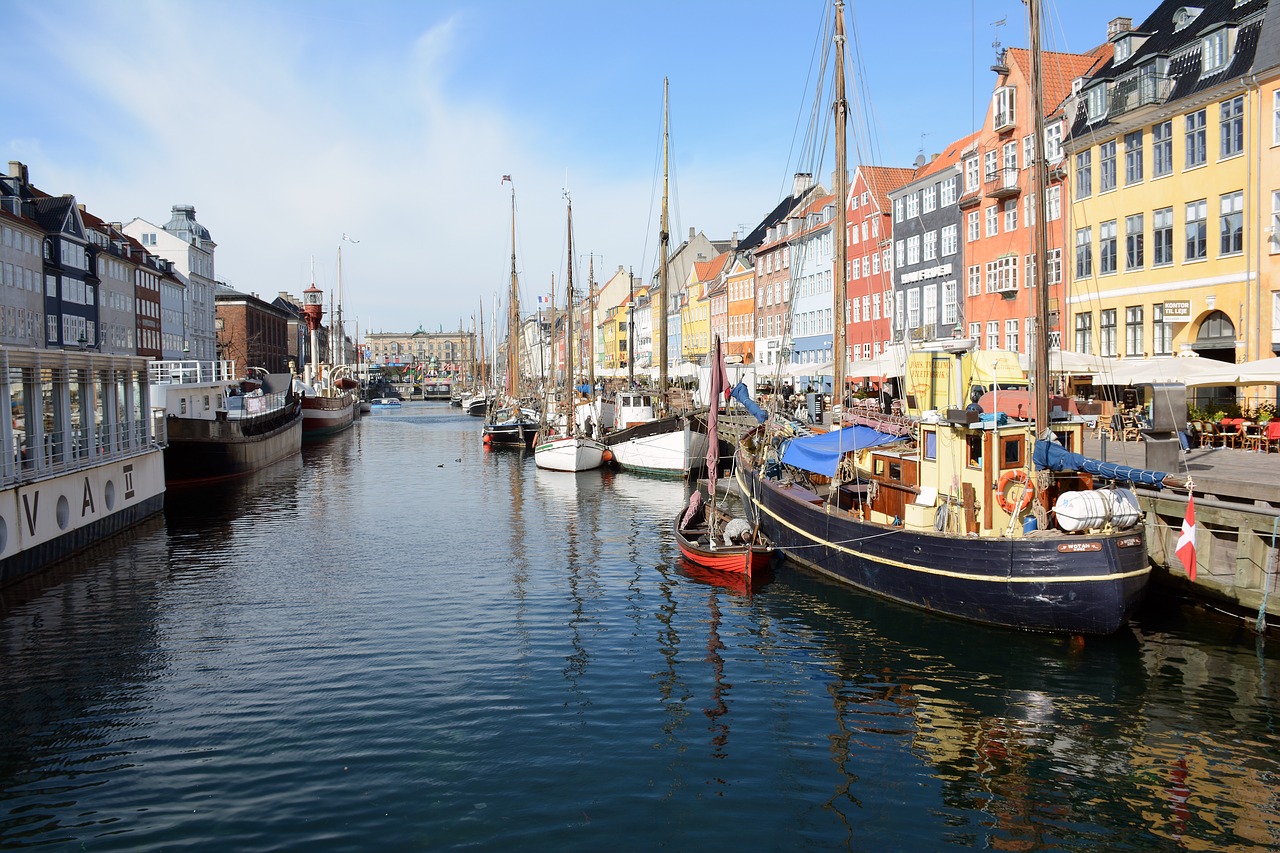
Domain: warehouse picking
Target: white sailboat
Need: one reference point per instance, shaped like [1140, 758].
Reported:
[649, 439]
[562, 444]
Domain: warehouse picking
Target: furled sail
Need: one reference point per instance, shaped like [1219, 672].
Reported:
[1052, 456]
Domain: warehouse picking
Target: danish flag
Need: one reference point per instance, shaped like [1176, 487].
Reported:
[1186, 549]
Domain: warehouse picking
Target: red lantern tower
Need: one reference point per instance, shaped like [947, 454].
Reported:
[313, 310]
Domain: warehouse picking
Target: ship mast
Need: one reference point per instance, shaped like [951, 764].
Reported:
[513, 353]
[664, 239]
[842, 250]
[1041, 232]
[569, 332]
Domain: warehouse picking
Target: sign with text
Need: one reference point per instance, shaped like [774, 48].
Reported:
[1177, 310]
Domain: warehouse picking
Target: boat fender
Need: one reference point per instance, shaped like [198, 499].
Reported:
[1003, 490]
[940, 520]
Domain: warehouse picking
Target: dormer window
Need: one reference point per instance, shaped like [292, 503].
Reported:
[1184, 16]
[1124, 49]
[1215, 50]
[1096, 102]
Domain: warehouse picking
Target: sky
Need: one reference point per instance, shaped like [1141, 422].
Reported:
[291, 124]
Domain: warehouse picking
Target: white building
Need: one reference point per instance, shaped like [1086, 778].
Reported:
[187, 244]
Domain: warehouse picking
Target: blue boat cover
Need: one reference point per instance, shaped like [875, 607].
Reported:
[743, 396]
[1054, 457]
[821, 453]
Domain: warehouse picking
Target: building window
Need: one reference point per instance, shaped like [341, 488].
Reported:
[1195, 139]
[1162, 237]
[930, 307]
[1084, 252]
[1084, 332]
[990, 165]
[1011, 214]
[993, 221]
[1107, 166]
[1011, 334]
[1107, 247]
[1053, 204]
[1002, 274]
[975, 331]
[971, 174]
[993, 334]
[975, 280]
[1084, 174]
[1053, 142]
[1107, 333]
[950, 242]
[1133, 330]
[1231, 126]
[1162, 149]
[1003, 102]
[913, 205]
[1197, 231]
[1213, 52]
[1232, 221]
[1275, 221]
[1053, 266]
[1029, 209]
[1161, 332]
[948, 194]
[929, 199]
[1133, 255]
[899, 208]
[931, 246]
[1275, 117]
[1096, 102]
[1028, 152]
[1133, 157]
[974, 230]
[949, 302]
[913, 249]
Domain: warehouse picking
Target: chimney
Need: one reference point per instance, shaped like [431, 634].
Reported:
[19, 170]
[733, 241]
[691, 233]
[801, 182]
[1116, 26]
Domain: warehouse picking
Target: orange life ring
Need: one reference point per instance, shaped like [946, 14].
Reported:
[1018, 475]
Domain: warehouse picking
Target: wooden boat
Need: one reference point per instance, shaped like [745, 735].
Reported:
[985, 518]
[696, 546]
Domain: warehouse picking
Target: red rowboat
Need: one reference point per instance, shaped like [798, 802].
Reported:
[743, 559]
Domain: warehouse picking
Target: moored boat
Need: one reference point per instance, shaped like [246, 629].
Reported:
[385, 403]
[77, 471]
[220, 427]
[327, 414]
[970, 514]
[649, 444]
[699, 545]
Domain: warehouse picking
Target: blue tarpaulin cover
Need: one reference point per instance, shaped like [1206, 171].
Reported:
[1054, 457]
[743, 396]
[821, 453]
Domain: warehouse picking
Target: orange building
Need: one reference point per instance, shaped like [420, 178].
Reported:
[869, 296]
[999, 206]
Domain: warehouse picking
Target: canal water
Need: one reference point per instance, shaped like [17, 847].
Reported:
[403, 641]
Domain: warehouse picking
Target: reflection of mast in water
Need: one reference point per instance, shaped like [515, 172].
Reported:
[583, 581]
[718, 713]
[519, 556]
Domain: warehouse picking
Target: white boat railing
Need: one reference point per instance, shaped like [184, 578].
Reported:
[191, 372]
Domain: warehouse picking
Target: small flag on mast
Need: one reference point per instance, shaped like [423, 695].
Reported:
[506, 179]
[1186, 549]
[544, 300]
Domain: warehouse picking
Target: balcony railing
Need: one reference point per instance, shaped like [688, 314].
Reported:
[1141, 91]
[1002, 183]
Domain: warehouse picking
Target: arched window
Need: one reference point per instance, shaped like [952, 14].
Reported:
[1216, 332]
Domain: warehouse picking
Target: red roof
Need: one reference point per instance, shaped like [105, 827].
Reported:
[882, 180]
[1060, 69]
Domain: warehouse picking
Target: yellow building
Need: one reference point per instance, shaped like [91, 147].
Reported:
[1163, 164]
[695, 320]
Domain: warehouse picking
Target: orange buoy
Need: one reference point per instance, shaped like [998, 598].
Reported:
[607, 456]
[488, 439]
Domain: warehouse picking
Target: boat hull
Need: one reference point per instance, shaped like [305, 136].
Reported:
[202, 451]
[568, 453]
[735, 559]
[1065, 584]
[325, 416]
[47, 520]
[666, 446]
[514, 433]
